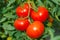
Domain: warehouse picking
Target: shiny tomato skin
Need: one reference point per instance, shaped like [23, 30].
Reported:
[21, 24]
[41, 15]
[22, 11]
[35, 30]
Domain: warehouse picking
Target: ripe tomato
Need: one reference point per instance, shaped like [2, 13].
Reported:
[22, 11]
[35, 30]
[40, 15]
[20, 24]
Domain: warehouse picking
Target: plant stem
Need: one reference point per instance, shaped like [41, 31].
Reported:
[33, 6]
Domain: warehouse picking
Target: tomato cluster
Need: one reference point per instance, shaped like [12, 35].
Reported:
[22, 23]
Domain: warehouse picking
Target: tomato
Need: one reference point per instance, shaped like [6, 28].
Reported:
[35, 30]
[21, 24]
[50, 19]
[40, 15]
[22, 11]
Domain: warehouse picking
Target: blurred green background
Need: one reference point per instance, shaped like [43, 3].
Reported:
[8, 15]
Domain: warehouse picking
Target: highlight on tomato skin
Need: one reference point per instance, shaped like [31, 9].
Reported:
[22, 11]
[41, 15]
[35, 30]
[21, 25]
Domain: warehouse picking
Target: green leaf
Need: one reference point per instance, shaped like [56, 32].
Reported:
[3, 36]
[50, 3]
[54, 10]
[14, 39]
[56, 1]
[4, 10]
[3, 19]
[57, 18]
[10, 2]
[18, 1]
[40, 3]
[18, 34]
[11, 33]
[56, 38]
[45, 33]
[58, 13]
[51, 32]
[21, 35]
[9, 15]
[45, 36]
[7, 26]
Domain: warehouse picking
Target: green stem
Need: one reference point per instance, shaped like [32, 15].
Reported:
[29, 7]
[29, 11]
[33, 6]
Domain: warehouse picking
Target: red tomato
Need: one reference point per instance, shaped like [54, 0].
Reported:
[22, 11]
[35, 30]
[40, 15]
[21, 24]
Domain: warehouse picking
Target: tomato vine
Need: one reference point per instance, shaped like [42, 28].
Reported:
[8, 17]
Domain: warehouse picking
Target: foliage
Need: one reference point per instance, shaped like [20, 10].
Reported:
[8, 15]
